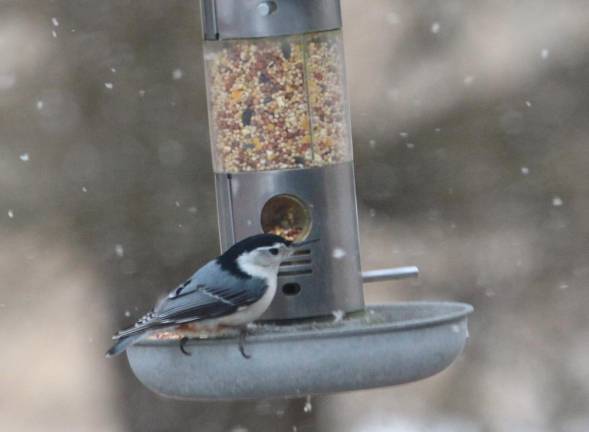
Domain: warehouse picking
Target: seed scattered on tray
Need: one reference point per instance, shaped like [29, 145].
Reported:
[278, 103]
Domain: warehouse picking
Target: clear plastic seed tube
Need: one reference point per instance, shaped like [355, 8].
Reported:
[278, 103]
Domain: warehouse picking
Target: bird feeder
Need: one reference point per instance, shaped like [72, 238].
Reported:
[282, 154]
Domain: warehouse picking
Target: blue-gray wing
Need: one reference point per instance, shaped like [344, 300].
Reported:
[209, 293]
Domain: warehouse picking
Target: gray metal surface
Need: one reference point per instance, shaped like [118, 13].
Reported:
[235, 19]
[388, 345]
[389, 274]
[329, 275]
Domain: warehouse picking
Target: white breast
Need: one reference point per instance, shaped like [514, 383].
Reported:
[250, 313]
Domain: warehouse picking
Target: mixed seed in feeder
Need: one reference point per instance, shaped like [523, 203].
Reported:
[278, 103]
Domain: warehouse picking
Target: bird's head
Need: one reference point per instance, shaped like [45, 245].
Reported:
[259, 255]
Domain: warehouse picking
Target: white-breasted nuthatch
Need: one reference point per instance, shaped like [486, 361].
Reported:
[232, 290]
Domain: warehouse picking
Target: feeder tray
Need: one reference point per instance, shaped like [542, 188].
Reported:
[381, 346]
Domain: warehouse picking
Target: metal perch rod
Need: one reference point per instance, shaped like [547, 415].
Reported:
[389, 274]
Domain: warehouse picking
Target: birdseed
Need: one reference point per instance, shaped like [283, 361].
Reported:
[278, 103]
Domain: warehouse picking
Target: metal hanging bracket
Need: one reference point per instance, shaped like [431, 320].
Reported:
[237, 19]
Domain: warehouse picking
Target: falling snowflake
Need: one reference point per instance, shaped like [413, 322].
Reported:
[544, 53]
[177, 74]
[108, 85]
[55, 22]
[127, 313]
[468, 80]
[404, 134]
[410, 145]
[338, 253]
[40, 104]
[10, 213]
[392, 18]
[113, 70]
[372, 144]
[53, 33]
[307, 408]
[435, 28]
[557, 201]
[528, 103]
[525, 170]
[119, 250]
[84, 189]
[24, 157]
[141, 93]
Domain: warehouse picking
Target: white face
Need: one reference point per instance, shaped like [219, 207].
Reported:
[264, 260]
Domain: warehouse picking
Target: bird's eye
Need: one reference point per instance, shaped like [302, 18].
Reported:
[273, 251]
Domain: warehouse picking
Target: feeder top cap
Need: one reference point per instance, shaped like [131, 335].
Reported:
[239, 19]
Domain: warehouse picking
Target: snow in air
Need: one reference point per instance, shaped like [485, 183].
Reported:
[177, 203]
[410, 145]
[192, 209]
[127, 313]
[113, 70]
[338, 253]
[141, 93]
[435, 27]
[544, 53]
[392, 18]
[563, 286]
[24, 157]
[53, 33]
[372, 212]
[308, 407]
[55, 22]
[177, 74]
[468, 80]
[10, 213]
[119, 250]
[372, 144]
[108, 85]
[40, 105]
[528, 103]
[525, 170]
[84, 189]
[404, 134]
[557, 201]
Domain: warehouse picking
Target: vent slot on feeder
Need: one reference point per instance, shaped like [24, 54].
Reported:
[300, 263]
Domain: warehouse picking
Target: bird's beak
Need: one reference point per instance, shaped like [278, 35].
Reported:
[303, 243]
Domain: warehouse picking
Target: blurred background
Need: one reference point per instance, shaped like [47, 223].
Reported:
[470, 132]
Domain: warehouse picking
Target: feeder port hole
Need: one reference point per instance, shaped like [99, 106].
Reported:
[286, 216]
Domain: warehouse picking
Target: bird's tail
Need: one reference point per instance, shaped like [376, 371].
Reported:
[122, 344]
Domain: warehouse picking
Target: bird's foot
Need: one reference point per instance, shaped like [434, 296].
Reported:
[182, 343]
[242, 336]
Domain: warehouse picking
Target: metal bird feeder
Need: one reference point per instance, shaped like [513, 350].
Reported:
[282, 154]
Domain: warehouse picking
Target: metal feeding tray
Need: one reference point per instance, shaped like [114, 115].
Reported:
[381, 346]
